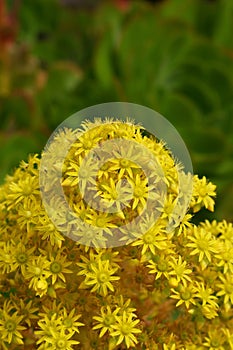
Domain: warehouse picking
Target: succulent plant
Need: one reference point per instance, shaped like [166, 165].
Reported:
[168, 285]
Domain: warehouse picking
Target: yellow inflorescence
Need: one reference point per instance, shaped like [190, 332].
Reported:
[162, 289]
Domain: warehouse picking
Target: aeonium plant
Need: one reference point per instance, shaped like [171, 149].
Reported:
[113, 261]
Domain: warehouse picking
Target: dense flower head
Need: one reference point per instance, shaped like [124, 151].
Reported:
[169, 285]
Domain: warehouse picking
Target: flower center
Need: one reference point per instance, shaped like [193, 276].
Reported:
[103, 277]
[125, 329]
[202, 191]
[215, 343]
[139, 192]
[27, 190]
[89, 234]
[10, 326]
[100, 222]
[28, 213]
[186, 295]
[168, 209]
[68, 322]
[148, 238]
[162, 266]
[83, 174]
[61, 344]
[21, 258]
[50, 227]
[109, 320]
[55, 267]
[179, 270]
[124, 163]
[203, 245]
[82, 300]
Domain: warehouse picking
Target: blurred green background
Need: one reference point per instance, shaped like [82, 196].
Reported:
[174, 56]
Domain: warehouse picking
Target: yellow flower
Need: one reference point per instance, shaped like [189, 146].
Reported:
[160, 266]
[50, 309]
[103, 172]
[38, 273]
[27, 310]
[210, 310]
[70, 321]
[24, 189]
[49, 279]
[205, 294]
[28, 213]
[32, 166]
[153, 239]
[112, 256]
[203, 192]
[48, 326]
[106, 320]
[213, 226]
[184, 225]
[90, 236]
[118, 195]
[81, 174]
[184, 295]
[52, 331]
[88, 263]
[125, 165]
[101, 277]
[124, 306]
[112, 127]
[179, 270]
[124, 330]
[167, 208]
[102, 221]
[229, 336]
[22, 257]
[226, 230]
[225, 256]
[82, 209]
[10, 328]
[204, 244]
[215, 340]
[226, 289]
[61, 341]
[87, 141]
[7, 248]
[58, 267]
[140, 191]
[49, 232]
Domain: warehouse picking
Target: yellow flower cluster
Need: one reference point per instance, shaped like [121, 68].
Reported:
[167, 286]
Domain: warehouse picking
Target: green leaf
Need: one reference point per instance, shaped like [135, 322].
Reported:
[181, 111]
[103, 61]
[201, 93]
